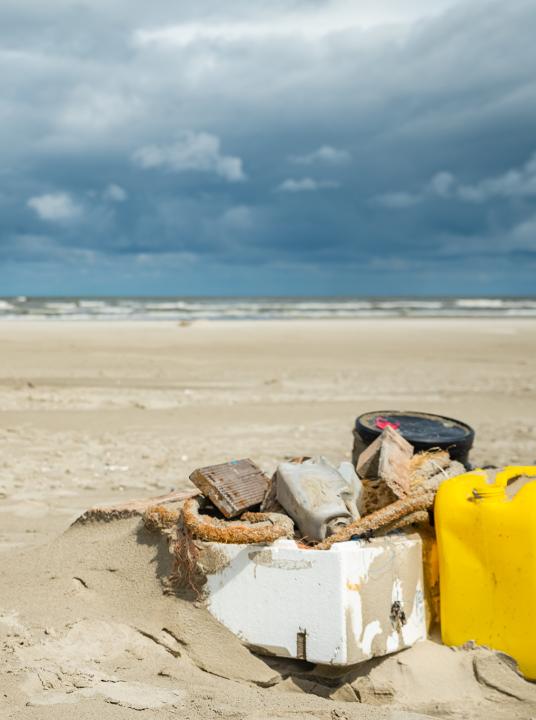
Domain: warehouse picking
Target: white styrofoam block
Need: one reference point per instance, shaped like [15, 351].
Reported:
[358, 600]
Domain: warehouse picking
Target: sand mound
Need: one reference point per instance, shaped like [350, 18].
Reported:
[96, 627]
[447, 682]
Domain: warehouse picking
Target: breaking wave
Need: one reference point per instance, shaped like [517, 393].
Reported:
[199, 308]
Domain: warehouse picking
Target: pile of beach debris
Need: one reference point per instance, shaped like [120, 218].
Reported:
[221, 537]
[310, 500]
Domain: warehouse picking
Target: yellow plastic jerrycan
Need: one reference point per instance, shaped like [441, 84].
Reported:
[486, 534]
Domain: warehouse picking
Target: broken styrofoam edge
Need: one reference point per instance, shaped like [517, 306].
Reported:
[342, 606]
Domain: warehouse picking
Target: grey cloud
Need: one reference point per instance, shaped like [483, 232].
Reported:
[239, 217]
[55, 206]
[442, 184]
[523, 236]
[324, 154]
[501, 242]
[264, 23]
[115, 193]
[43, 248]
[194, 151]
[398, 200]
[306, 184]
[515, 183]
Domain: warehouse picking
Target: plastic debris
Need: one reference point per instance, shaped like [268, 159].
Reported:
[245, 545]
[384, 518]
[381, 423]
[424, 431]
[357, 601]
[486, 532]
[319, 497]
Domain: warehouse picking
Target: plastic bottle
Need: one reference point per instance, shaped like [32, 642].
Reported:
[319, 497]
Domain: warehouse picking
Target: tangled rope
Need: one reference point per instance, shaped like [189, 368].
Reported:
[420, 516]
[266, 528]
[158, 518]
[203, 527]
[383, 519]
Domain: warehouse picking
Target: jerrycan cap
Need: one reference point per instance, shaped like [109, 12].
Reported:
[491, 489]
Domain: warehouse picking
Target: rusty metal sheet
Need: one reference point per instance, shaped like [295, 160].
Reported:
[233, 487]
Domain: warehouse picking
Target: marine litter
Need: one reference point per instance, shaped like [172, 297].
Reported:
[333, 566]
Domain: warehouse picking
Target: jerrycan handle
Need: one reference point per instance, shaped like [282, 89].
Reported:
[496, 486]
[511, 471]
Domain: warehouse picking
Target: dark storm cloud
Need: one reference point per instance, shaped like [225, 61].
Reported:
[376, 148]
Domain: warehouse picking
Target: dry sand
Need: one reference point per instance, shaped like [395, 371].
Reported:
[94, 412]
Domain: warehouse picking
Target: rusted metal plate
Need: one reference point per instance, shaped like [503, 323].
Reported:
[233, 487]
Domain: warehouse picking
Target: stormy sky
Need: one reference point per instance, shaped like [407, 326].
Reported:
[344, 147]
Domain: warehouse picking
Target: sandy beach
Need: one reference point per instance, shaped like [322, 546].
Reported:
[103, 412]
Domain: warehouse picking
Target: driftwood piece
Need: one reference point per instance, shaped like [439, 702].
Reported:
[368, 462]
[385, 469]
[387, 458]
[233, 486]
[395, 456]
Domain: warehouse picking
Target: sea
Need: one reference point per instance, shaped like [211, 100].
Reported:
[258, 308]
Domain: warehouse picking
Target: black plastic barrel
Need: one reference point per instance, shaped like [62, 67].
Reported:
[423, 430]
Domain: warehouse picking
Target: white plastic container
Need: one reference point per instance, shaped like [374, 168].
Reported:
[340, 606]
[319, 497]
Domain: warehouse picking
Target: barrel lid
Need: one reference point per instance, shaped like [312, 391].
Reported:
[417, 427]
